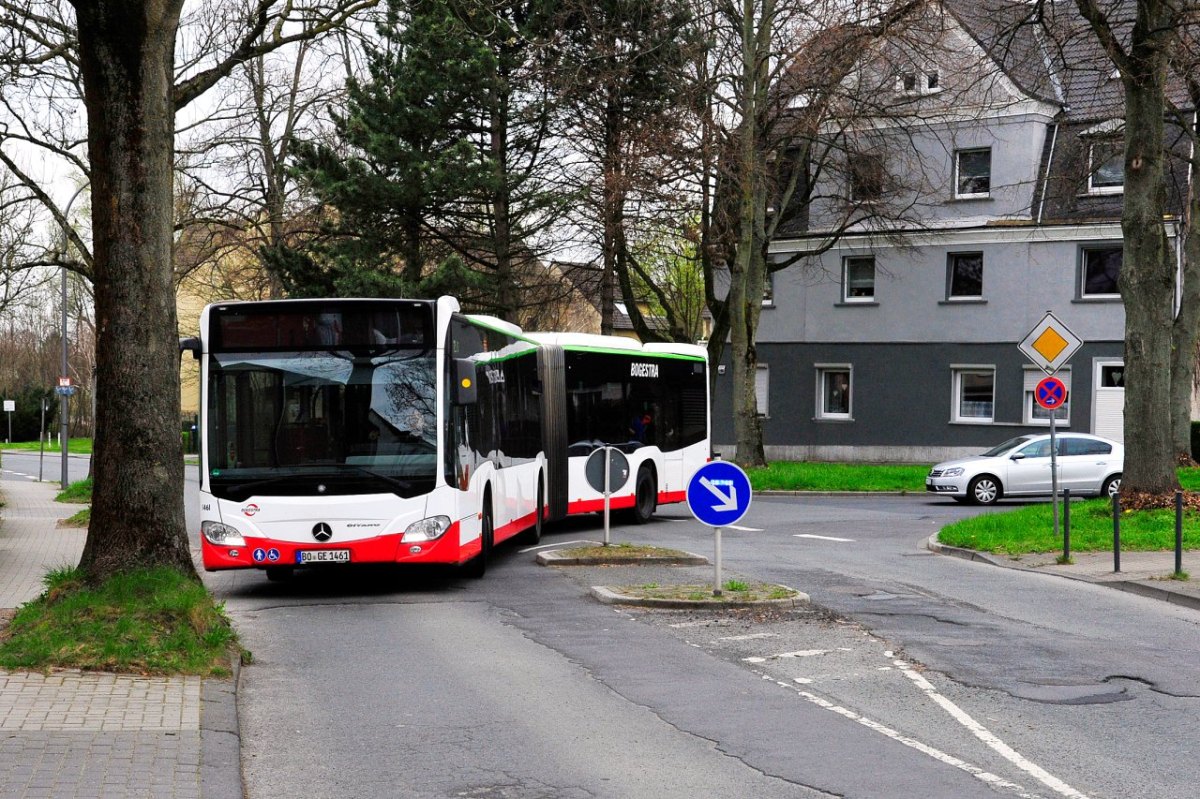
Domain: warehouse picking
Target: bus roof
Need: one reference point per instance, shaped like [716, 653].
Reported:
[592, 341]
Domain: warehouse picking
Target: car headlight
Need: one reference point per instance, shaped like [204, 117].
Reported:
[953, 472]
[430, 529]
[222, 534]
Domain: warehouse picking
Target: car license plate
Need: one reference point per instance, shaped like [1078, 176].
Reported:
[323, 556]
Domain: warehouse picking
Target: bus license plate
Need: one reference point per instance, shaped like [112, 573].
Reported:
[323, 556]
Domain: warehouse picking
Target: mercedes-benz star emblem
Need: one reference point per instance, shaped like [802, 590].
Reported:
[322, 532]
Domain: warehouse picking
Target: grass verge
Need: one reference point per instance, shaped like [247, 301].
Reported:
[732, 591]
[154, 621]
[80, 491]
[621, 552]
[76, 446]
[803, 476]
[1031, 529]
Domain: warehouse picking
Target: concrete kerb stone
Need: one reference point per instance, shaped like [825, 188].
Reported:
[555, 557]
[610, 596]
[220, 737]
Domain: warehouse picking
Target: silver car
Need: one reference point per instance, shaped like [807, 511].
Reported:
[1088, 465]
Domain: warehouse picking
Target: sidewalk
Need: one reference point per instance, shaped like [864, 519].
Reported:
[1144, 573]
[87, 734]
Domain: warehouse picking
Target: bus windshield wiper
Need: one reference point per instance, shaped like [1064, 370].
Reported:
[252, 485]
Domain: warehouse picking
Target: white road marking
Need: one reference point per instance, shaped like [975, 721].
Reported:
[822, 537]
[743, 529]
[803, 653]
[985, 735]
[937, 754]
[750, 637]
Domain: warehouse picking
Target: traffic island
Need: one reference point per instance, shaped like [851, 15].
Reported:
[736, 594]
[619, 555]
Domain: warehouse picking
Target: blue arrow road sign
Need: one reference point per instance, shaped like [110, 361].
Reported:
[718, 494]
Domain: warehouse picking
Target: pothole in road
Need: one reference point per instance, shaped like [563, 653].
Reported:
[1071, 694]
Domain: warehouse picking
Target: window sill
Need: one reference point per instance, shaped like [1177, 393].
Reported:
[963, 301]
[974, 422]
[966, 198]
[834, 419]
[1099, 298]
[1103, 191]
[856, 304]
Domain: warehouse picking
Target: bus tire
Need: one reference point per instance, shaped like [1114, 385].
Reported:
[645, 497]
[280, 574]
[533, 536]
[476, 567]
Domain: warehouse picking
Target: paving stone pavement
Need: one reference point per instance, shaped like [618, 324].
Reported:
[87, 735]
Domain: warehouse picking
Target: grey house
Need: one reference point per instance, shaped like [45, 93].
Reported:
[980, 189]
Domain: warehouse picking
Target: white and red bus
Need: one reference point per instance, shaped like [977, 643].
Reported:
[404, 431]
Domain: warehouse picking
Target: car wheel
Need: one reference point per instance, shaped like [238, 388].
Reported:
[984, 490]
[1111, 486]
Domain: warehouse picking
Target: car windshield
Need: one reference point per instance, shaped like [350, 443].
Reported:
[1006, 446]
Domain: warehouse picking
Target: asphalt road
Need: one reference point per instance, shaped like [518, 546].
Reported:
[910, 675]
[913, 675]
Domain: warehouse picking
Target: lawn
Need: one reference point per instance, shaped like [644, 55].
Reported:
[77, 446]
[803, 476]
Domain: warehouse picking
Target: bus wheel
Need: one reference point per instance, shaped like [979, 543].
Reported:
[280, 574]
[476, 567]
[533, 535]
[645, 497]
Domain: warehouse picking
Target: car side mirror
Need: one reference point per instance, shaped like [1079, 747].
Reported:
[1018, 456]
[464, 390]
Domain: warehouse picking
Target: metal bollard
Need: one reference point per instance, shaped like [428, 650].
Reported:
[1116, 532]
[1178, 532]
[1066, 525]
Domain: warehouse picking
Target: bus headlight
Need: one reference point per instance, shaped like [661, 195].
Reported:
[222, 534]
[430, 529]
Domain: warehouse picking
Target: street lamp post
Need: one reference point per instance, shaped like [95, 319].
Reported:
[64, 386]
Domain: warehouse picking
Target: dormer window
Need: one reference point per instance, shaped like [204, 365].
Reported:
[914, 82]
[1106, 166]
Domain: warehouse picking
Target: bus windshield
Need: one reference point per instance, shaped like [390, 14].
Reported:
[322, 422]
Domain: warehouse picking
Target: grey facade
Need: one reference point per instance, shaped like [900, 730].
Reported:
[1000, 202]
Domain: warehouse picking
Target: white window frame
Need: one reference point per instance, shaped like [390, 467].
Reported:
[1092, 167]
[958, 154]
[1083, 256]
[958, 372]
[824, 371]
[762, 390]
[846, 278]
[1035, 414]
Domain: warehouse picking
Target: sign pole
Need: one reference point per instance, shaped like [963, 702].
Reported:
[607, 486]
[717, 577]
[42, 441]
[1054, 469]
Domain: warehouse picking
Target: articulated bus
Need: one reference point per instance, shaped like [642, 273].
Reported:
[341, 431]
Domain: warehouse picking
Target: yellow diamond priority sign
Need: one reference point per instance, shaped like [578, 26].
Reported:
[1050, 344]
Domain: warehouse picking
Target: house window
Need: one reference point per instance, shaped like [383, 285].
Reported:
[1099, 269]
[1106, 167]
[762, 389]
[964, 276]
[833, 387]
[1112, 376]
[768, 288]
[919, 82]
[974, 393]
[973, 172]
[865, 176]
[1036, 414]
[858, 279]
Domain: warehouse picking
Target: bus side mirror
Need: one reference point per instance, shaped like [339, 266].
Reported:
[191, 345]
[464, 391]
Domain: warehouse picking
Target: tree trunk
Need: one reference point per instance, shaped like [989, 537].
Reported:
[1147, 281]
[1186, 329]
[127, 57]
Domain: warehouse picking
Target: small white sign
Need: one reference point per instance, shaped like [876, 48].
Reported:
[1050, 344]
[10, 406]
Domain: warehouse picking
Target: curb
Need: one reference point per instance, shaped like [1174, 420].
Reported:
[220, 737]
[1140, 588]
[609, 596]
[552, 557]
